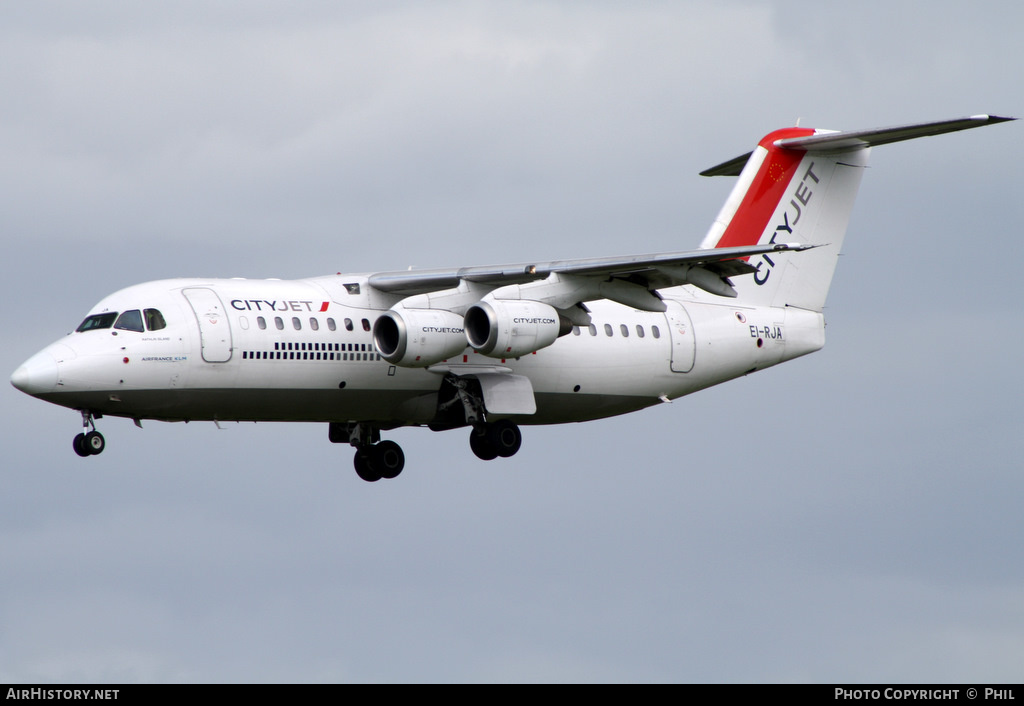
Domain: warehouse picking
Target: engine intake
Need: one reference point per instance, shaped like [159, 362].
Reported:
[416, 338]
[511, 328]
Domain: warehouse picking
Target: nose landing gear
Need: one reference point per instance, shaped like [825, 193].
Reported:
[88, 443]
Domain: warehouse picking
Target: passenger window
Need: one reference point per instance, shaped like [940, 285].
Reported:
[348, 324]
[639, 331]
[655, 332]
[296, 324]
[314, 324]
[279, 323]
[593, 329]
[625, 330]
[261, 322]
[331, 325]
[366, 325]
[97, 321]
[608, 329]
[154, 320]
[575, 330]
[130, 321]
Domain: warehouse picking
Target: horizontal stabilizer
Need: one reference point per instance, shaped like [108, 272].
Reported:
[884, 136]
[733, 167]
[827, 141]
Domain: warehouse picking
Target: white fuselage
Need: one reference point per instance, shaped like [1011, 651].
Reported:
[302, 350]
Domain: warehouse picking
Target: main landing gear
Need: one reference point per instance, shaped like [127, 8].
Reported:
[462, 403]
[384, 459]
[489, 441]
[374, 459]
[88, 443]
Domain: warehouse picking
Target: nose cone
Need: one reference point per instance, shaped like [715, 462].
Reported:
[37, 375]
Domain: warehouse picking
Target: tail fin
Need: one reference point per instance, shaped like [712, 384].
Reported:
[799, 185]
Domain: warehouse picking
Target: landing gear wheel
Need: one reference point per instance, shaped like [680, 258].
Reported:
[94, 443]
[505, 437]
[79, 445]
[365, 468]
[482, 446]
[389, 458]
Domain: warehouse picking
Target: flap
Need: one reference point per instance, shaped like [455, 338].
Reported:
[507, 394]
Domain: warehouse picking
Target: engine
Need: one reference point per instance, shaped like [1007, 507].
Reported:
[511, 328]
[416, 338]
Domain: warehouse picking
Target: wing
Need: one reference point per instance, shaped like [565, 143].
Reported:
[707, 269]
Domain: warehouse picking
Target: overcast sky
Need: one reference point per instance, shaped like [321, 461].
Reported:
[851, 516]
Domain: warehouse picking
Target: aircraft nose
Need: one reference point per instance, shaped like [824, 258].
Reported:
[38, 374]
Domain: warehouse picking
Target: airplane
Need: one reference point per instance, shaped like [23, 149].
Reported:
[488, 348]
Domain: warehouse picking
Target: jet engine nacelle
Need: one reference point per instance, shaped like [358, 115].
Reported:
[511, 328]
[416, 338]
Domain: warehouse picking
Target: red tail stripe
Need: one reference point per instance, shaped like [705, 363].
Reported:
[765, 192]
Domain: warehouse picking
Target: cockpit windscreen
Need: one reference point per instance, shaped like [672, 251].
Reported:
[131, 320]
[97, 321]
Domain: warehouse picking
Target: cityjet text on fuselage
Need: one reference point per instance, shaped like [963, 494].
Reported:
[283, 305]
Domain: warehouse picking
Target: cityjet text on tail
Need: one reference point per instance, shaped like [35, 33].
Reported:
[484, 348]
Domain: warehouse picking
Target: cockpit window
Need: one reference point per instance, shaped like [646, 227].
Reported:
[130, 321]
[154, 319]
[97, 321]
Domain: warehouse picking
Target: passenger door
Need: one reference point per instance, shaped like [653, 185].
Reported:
[214, 329]
[681, 332]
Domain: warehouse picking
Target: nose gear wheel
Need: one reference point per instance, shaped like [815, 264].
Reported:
[88, 443]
